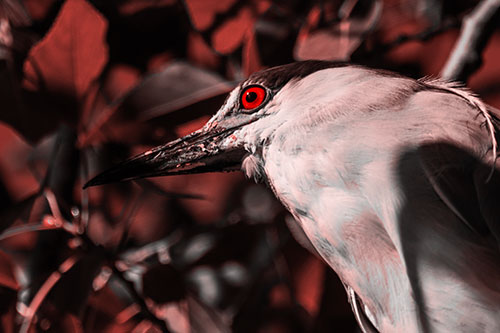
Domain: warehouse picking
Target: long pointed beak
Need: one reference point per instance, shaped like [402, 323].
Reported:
[198, 152]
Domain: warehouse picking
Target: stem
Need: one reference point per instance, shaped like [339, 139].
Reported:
[140, 301]
[477, 29]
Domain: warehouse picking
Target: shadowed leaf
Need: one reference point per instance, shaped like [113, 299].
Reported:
[8, 313]
[16, 211]
[162, 101]
[338, 41]
[176, 87]
[7, 276]
[205, 319]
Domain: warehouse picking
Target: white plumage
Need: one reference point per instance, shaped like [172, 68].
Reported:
[338, 142]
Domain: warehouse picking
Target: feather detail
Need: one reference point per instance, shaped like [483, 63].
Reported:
[459, 90]
[252, 167]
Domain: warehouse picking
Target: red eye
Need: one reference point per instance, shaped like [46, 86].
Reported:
[252, 97]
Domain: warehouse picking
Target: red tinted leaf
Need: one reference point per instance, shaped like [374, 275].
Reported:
[232, 32]
[200, 53]
[338, 41]
[70, 323]
[72, 54]
[7, 277]
[106, 312]
[119, 80]
[14, 155]
[203, 12]
[134, 6]
[251, 58]
[307, 280]
[38, 9]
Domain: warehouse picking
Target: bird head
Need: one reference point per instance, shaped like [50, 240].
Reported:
[234, 135]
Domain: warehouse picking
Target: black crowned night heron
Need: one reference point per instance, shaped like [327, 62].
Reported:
[391, 179]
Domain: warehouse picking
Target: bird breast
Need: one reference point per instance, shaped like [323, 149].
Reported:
[350, 172]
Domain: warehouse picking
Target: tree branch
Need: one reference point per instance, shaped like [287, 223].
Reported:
[477, 28]
[139, 300]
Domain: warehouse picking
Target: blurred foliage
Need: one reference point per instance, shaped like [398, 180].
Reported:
[87, 83]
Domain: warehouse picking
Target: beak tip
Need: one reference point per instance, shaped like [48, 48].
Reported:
[93, 182]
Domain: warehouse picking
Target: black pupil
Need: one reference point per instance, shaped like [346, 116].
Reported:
[251, 96]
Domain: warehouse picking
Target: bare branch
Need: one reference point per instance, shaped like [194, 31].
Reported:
[139, 300]
[477, 28]
[44, 290]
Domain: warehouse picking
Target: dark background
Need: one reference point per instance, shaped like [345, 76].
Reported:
[85, 84]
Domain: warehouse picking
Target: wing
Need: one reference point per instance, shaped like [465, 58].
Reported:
[466, 184]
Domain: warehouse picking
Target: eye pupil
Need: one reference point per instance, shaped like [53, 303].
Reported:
[251, 96]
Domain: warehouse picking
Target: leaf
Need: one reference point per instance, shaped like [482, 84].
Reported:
[72, 54]
[200, 53]
[39, 9]
[107, 312]
[69, 323]
[8, 313]
[133, 6]
[224, 25]
[18, 188]
[7, 275]
[16, 211]
[205, 319]
[232, 32]
[14, 172]
[177, 87]
[338, 41]
[203, 12]
[162, 101]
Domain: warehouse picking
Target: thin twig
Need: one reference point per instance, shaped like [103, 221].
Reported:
[477, 28]
[140, 301]
[24, 229]
[129, 219]
[85, 202]
[44, 290]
